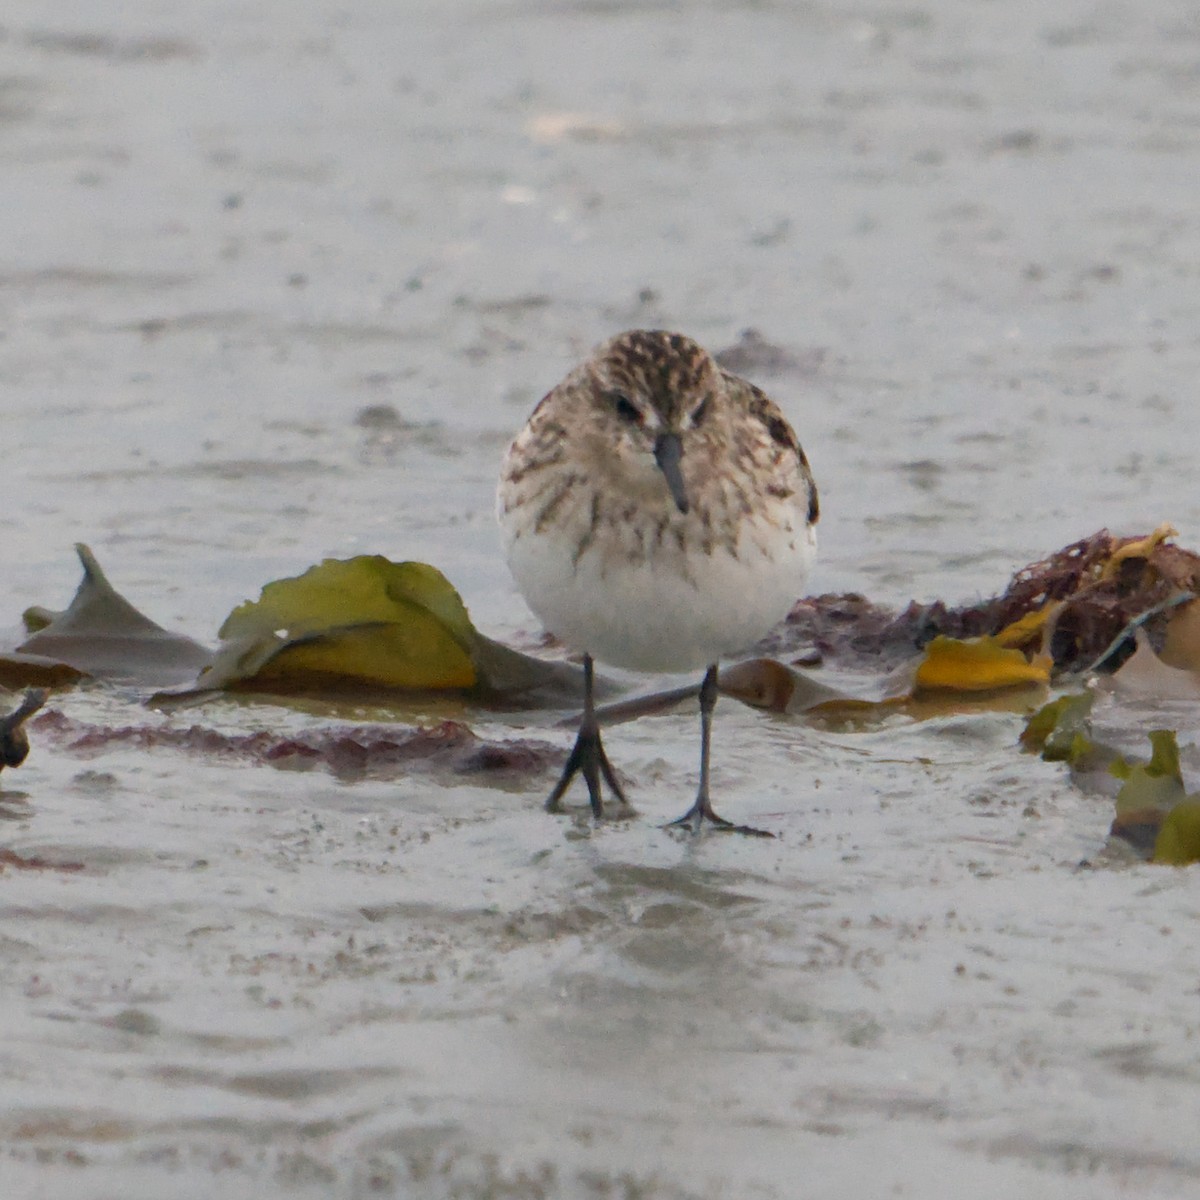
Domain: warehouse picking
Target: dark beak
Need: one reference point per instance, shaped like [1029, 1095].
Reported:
[668, 453]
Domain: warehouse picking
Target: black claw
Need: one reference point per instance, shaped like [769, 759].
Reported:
[587, 758]
[701, 813]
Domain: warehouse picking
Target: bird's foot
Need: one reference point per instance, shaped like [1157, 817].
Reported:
[701, 814]
[588, 758]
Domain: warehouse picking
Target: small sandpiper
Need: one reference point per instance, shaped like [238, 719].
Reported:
[657, 513]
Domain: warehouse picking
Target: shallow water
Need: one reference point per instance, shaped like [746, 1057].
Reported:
[230, 232]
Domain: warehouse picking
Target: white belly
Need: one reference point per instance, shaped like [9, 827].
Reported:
[666, 609]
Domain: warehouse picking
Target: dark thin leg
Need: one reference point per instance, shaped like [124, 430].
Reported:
[587, 756]
[701, 811]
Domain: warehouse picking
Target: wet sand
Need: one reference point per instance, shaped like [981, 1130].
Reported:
[231, 235]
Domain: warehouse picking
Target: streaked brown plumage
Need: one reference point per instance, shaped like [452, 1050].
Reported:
[658, 513]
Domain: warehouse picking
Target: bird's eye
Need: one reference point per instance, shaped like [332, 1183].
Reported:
[626, 409]
[700, 412]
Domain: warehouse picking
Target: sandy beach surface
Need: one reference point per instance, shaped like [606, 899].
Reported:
[277, 283]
